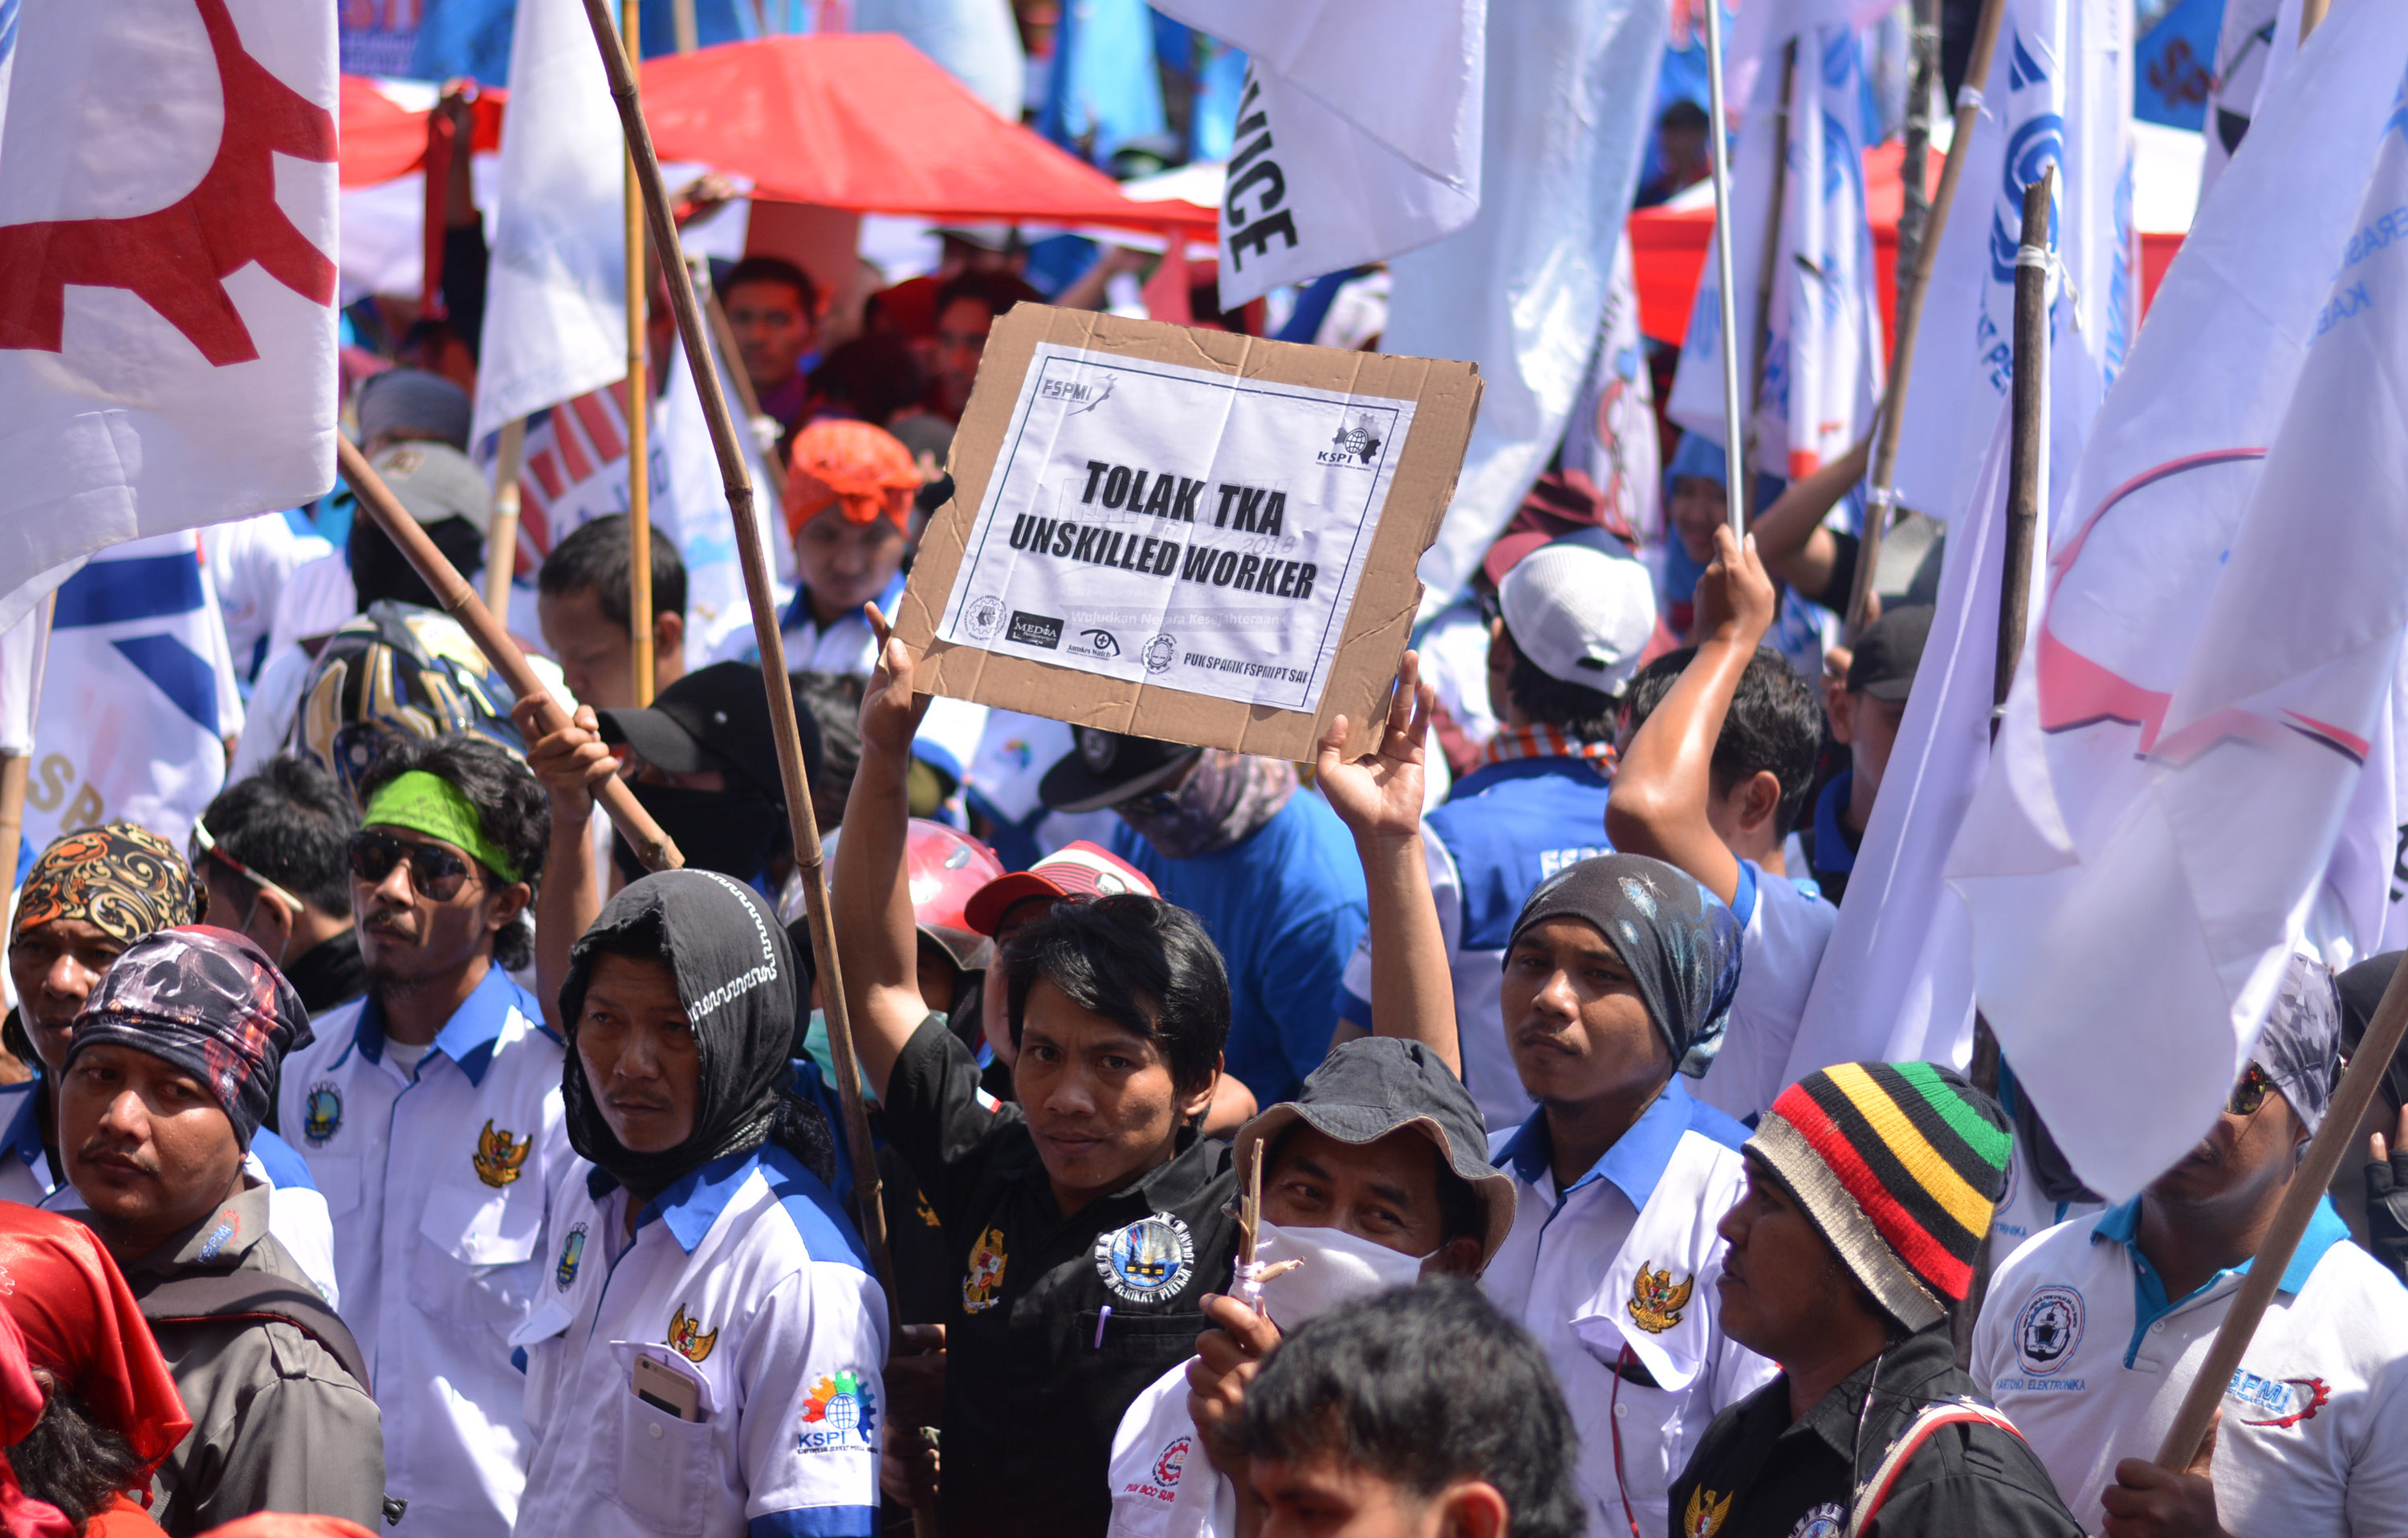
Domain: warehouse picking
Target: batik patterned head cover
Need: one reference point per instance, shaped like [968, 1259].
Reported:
[1901, 1166]
[209, 1002]
[123, 880]
[1679, 940]
[81, 1324]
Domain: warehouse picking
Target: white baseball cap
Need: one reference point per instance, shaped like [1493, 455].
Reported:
[1580, 608]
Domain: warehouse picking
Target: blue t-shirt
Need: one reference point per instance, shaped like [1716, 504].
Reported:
[1285, 905]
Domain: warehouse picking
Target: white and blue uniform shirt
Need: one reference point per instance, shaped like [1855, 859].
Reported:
[743, 1280]
[297, 1213]
[1782, 934]
[438, 1180]
[1616, 1276]
[2082, 1348]
[1507, 828]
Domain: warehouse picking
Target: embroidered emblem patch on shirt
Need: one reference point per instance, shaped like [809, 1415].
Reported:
[840, 1415]
[229, 1223]
[927, 1214]
[321, 1113]
[572, 1250]
[983, 1281]
[2048, 1330]
[499, 1155]
[2283, 1402]
[1655, 1303]
[1827, 1520]
[1151, 1258]
[686, 1336]
[1706, 1514]
[1167, 1468]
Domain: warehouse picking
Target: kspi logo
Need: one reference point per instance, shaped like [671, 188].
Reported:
[840, 1416]
[1355, 444]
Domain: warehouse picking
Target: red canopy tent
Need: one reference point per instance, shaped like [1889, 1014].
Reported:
[863, 122]
[1667, 248]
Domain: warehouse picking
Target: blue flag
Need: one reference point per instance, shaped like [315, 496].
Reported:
[2173, 69]
[1103, 90]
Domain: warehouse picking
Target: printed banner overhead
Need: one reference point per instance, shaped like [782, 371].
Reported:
[1218, 533]
[1358, 131]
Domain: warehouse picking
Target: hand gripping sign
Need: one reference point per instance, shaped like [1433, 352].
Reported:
[1187, 534]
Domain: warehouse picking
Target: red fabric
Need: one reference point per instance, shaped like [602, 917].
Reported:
[20, 1407]
[127, 1520]
[81, 1322]
[859, 120]
[275, 1524]
[1667, 248]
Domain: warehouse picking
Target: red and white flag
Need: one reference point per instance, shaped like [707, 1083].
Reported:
[166, 273]
[2217, 658]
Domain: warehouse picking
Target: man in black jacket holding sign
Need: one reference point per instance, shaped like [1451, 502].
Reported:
[173, 1063]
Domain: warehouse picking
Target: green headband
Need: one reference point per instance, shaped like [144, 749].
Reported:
[430, 804]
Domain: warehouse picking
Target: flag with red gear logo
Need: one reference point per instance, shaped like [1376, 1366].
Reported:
[167, 327]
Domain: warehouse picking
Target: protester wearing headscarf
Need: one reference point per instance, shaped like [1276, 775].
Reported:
[172, 1064]
[1869, 1189]
[739, 1339]
[2126, 1304]
[80, 1324]
[1614, 969]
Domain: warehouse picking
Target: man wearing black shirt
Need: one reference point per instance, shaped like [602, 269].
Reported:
[1090, 1218]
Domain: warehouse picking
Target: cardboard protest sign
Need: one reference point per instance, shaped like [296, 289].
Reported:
[1187, 534]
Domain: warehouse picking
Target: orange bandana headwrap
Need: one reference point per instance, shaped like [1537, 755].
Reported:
[866, 470]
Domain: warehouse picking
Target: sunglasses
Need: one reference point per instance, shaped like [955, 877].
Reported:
[436, 874]
[203, 845]
[2250, 1093]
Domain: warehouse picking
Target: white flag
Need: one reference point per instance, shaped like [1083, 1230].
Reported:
[1568, 95]
[1613, 434]
[1821, 335]
[167, 277]
[2061, 93]
[1896, 978]
[556, 290]
[23, 647]
[139, 698]
[691, 507]
[2219, 645]
[1358, 131]
[2253, 46]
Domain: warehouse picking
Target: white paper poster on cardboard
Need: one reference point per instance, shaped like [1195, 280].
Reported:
[1176, 527]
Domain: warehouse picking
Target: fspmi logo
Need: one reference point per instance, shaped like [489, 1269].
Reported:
[1088, 394]
[1355, 444]
[1035, 630]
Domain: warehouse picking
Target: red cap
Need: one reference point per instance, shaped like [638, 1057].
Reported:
[1075, 870]
[948, 870]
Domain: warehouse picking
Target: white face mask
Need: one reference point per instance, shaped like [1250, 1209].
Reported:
[1338, 1266]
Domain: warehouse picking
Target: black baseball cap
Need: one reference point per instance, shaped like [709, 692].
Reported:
[715, 718]
[1105, 768]
[1888, 651]
[1374, 1086]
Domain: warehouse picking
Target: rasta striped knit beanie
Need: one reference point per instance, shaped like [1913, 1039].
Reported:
[1900, 1165]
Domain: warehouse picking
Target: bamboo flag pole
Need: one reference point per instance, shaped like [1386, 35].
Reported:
[749, 551]
[1880, 498]
[452, 590]
[689, 36]
[723, 337]
[1768, 267]
[1718, 136]
[640, 401]
[502, 540]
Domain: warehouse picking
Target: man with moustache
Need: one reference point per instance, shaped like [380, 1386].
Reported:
[430, 1114]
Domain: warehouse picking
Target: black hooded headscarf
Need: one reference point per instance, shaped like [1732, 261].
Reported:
[1679, 940]
[737, 977]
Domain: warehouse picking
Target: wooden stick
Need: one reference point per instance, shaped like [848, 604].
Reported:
[681, 22]
[1923, 82]
[640, 403]
[502, 540]
[2028, 456]
[2316, 1173]
[452, 590]
[15, 769]
[2312, 15]
[1880, 496]
[1718, 136]
[738, 483]
[1768, 267]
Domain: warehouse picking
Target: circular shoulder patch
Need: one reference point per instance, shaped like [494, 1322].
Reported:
[1151, 1258]
[1827, 1520]
[2048, 1330]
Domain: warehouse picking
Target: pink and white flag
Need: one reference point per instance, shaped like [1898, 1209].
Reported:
[166, 276]
[2219, 636]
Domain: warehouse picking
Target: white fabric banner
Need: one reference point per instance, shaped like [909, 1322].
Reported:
[1821, 336]
[167, 234]
[1896, 977]
[556, 297]
[138, 697]
[2059, 92]
[2257, 40]
[1358, 131]
[23, 647]
[2217, 650]
[689, 506]
[1613, 435]
[1571, 88]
